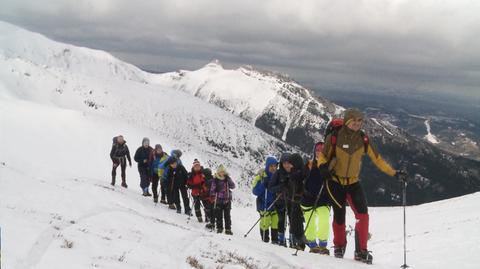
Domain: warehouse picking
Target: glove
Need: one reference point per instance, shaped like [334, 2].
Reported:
[401, 175]
[324, 172]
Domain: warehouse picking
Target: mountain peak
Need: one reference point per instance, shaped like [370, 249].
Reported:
[215, 63]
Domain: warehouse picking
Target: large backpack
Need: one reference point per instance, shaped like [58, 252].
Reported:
[333, 128]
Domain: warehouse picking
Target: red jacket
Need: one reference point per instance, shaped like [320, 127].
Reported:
[196, 182]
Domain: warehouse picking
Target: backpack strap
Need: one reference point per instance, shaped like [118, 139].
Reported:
[333, 145]
[366, 141]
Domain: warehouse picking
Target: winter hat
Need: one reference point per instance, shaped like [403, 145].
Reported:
[352, 114]
[285, 157]
[196, 162]
[158, 146]
[177, 153]
[221, 169]
[297, 161]
[271, 160]
[145, 140]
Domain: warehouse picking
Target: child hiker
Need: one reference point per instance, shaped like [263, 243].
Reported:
[196, 182]
[316, 210]
[221, 191]
[265, 200]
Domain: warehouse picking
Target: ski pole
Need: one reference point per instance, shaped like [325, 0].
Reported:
[276, 199]
[404, 225]
[313, 210]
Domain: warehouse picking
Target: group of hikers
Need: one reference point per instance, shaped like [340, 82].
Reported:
[208, 190]
[292, 190]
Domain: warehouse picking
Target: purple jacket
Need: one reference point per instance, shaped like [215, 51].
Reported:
[222, 189]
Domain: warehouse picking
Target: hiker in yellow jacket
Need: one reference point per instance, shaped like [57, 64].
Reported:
[340, 162]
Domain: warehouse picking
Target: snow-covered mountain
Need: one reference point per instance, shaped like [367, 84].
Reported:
[36, 69]
[270, 101]
[288, 111]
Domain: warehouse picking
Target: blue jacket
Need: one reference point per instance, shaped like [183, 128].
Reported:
[158, 164]
[259, 187]
[165, 165]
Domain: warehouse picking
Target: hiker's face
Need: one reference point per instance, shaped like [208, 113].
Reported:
[145, 144]
[355, 124]
[272, 168]
[174, 165]
[159, 151]
[287, 166]
[221, 174]
[120, 139]
[197, 168]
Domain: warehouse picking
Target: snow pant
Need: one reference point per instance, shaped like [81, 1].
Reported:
[355, 196]
[269, 224]
[181, 190]
[223, 212]
[155, 180]
[144, 178]
[209, 212]
[122, 162]
[163, 190]
[295, 218]
[318, 227]
[282, 221]
[197, 204]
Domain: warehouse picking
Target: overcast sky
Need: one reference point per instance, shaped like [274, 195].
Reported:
[401, 44]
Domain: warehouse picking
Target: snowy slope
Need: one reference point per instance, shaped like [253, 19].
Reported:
[51, 194]
[57, 117]
[95, 83]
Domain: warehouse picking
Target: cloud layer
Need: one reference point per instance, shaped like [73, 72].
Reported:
[404, 44]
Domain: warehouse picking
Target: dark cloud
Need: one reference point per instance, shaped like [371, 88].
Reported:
[404, 44]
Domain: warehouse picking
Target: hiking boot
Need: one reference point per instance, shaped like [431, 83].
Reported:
[364, 256]
[228, 231]
[179, 211]
[324, 251]
[124, 184]
[155, 200]
[200, 219]
[113, 182]
[171, 206]
[281, 240]
[163, 201]
[188, 212]
[338, 252]
[314, 248]
[209, 226]
[219, 231]
[148, 194]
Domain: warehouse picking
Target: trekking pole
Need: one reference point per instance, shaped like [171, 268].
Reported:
[189, 201]
[214, 211]
[265, 214]
[313, 210]
[276, 199]
[404, 224]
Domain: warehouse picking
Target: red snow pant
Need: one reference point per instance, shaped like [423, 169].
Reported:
[355, 196]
